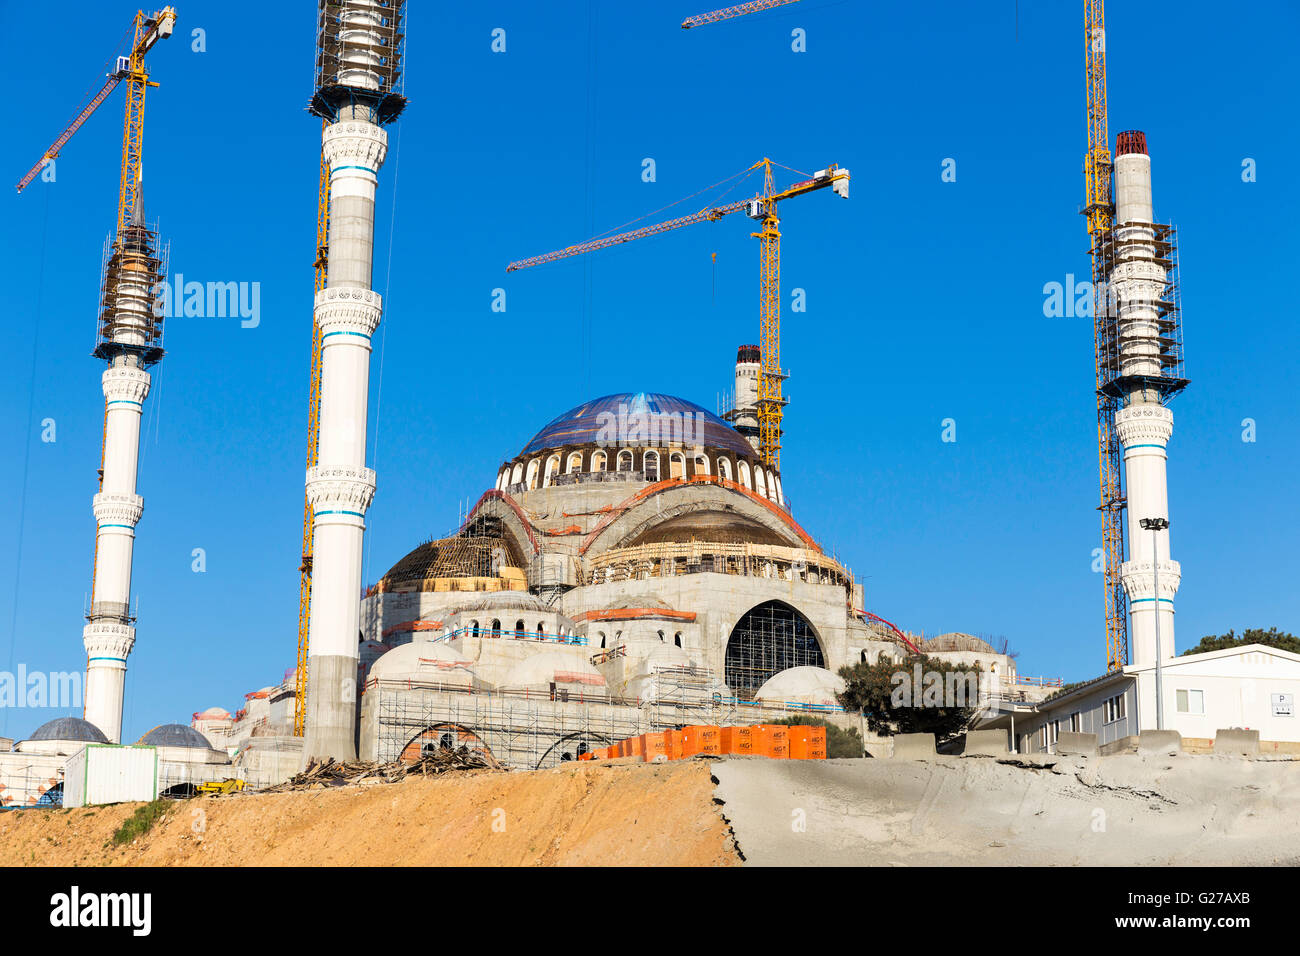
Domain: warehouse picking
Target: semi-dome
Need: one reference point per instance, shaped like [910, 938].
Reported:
[802, 685]
[598, 421]
[69, 728]
[428, 660]
[566, 668]
[175, 735]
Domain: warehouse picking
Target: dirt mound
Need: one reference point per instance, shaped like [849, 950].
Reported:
[579, 814]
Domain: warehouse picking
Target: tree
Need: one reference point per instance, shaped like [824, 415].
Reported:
[1272, 638]
[921, 695]
[839, 742]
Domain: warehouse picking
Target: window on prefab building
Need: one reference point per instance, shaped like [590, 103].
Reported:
[1191, 701]
[1113, 708]
[1076, 723]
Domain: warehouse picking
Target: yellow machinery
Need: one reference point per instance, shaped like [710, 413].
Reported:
[313, 443]
[763, 208]
[222, 786]
[1099, 209]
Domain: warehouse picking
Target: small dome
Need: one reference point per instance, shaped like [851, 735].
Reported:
[215, 713]
[69, 728]
[802, 685]
[174, 735]
[428, 660]
[568, 669]
[957, 641]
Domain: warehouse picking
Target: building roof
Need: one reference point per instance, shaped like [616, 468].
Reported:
[69, 728]
[174, 735]
[583, 424]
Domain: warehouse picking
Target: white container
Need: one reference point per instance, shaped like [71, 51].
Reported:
[107, 773]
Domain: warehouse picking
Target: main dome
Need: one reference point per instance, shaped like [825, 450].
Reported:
[599, 421]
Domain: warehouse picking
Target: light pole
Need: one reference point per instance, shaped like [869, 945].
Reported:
[1155, 525]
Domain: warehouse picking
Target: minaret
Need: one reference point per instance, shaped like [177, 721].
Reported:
[358, 67]
[130, 341]
[1147, 363]
[744, 410]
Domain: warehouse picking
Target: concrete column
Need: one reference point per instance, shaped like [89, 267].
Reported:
[109, 636]
[341, 487]
[1144, 425]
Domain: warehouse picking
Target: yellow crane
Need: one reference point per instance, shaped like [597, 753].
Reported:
[1099, 209]
[313, 447]
[763, 208]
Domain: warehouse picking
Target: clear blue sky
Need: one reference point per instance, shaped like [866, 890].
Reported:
[924, 302]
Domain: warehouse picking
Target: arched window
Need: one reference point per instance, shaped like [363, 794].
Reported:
[652, 466]
[473, 628]
[552, 469]
[532, 474]
[724, 468]
[541, 629]
[768, 639]
[677, 639]
[496, 628]
[625, 460]
[661, 637]
[676, 465]
[744, 474]
[519, 628]
[597, 461]
[503, 479]
[780, 498]
[602, 638]
[760, 483]
[575, 463]
[701, 465]
[518, 474]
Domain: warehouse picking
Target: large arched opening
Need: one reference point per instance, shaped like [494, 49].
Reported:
[768, 639]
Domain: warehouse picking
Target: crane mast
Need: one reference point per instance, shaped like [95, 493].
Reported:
[1099, 209]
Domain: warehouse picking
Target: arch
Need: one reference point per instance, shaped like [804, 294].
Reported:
[473, 628]
[724, 468]
[541, 628]
[518, 474]
[597, 461]
[435, 736]
[769, 638]
[581, 742]
[676, 465]
[531, 480]
[574, 463]
[650, 464]
[661, 637]
[624, 462]
[496, 627]
[552, 469]
[677, 639]
[519, 628]
[503, 479]
[780, 498]
[701, 466]
[602, 638]
[744, 474]
[760, 482]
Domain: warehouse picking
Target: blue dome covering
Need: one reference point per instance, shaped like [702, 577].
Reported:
[636, 418]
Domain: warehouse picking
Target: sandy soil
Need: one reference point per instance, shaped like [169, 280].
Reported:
[581, 814]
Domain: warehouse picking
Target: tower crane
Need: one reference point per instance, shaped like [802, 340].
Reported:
[737, 11]
[762, 208]
[1099, 210]
[148, 31]
[313, 448]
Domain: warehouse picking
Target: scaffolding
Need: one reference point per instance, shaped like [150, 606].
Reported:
[770, 638]
[523, 730]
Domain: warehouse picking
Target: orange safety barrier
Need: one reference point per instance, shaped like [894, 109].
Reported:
[700, 740]
[772, 740]
[738, 740]
[673, 744]
[807, 743]
[652, 747]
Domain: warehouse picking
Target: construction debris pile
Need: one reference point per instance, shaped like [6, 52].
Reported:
[323, 774]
